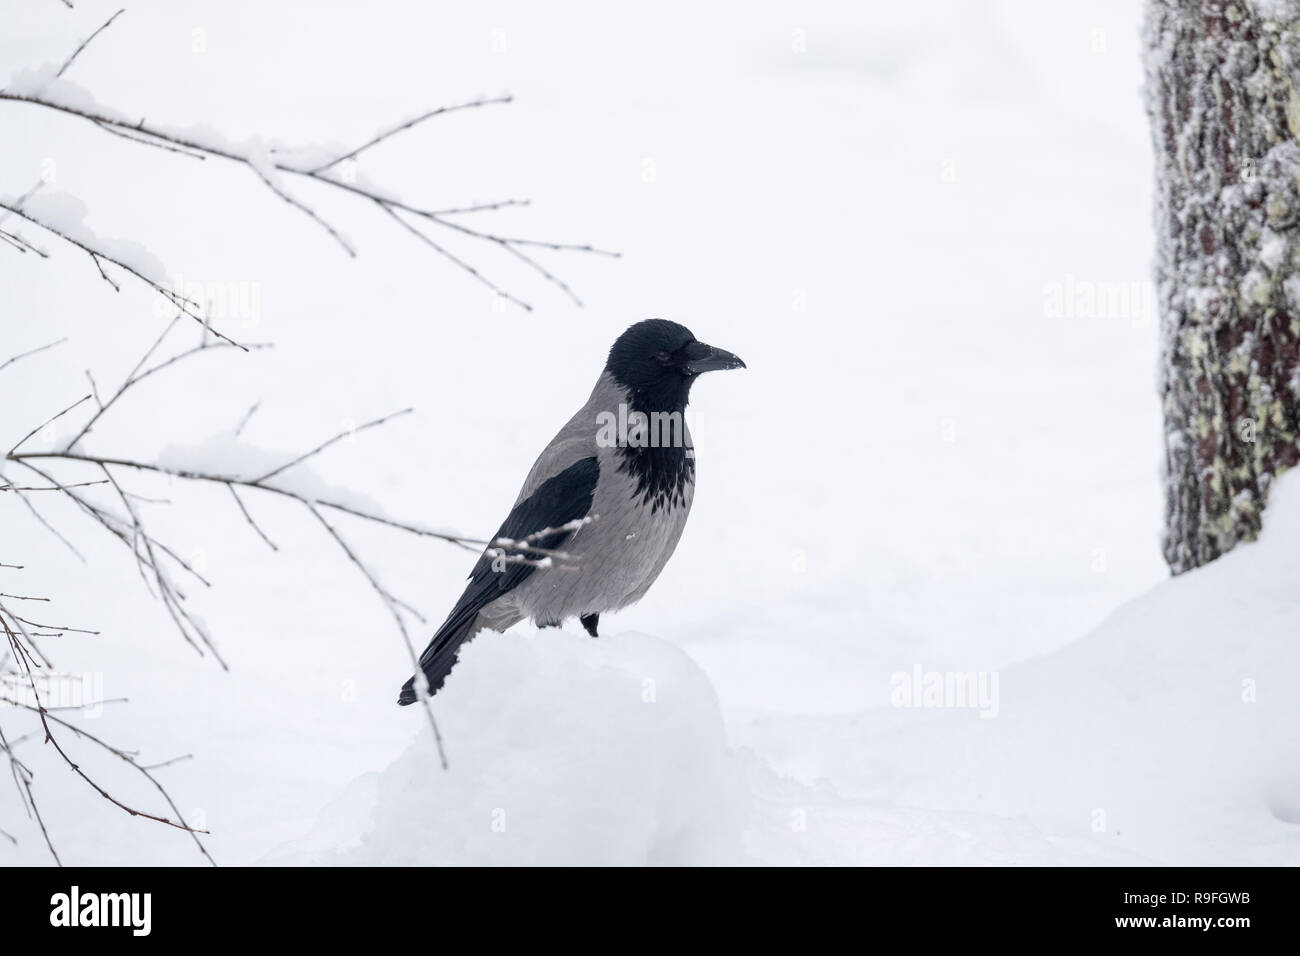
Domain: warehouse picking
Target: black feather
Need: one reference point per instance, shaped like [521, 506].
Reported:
[557, 501]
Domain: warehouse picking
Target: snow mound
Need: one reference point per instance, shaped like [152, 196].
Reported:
[1170, 735]
[1174, 728]
[563, 750]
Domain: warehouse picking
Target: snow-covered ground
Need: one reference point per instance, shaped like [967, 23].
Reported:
[1167, 735]
[926, 228]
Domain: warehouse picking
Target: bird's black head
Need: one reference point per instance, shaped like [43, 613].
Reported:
[657, 361]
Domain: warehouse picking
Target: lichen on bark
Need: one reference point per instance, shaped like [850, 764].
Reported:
[1223, 96]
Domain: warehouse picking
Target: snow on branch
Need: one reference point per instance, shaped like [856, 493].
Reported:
[273, 165]
[63, 216]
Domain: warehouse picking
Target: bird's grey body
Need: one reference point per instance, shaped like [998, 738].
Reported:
[629, 542]
[612, 491]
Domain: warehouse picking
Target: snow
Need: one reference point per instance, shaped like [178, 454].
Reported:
[66, 214]
[225, 455]
[1168, 736]
[45, 84]
[564, 751]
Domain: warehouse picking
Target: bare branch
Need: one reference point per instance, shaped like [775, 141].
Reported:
[172, 598]
[168, 763]
[458, 261]
[326, 444]
[247, 415]
[86, 42]
[21, 244]
[78, 484]
[97, 259]
[275, 187]
[249, 518]
[482, 207]
[135, 376]
[50, 528]
[53, 627]
[408, 124]
[393, 609]
[145, 140]
[48, 421]
[22, 355]
[467, 542]
[46, 719]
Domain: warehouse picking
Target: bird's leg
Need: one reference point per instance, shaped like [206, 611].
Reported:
[589, 621]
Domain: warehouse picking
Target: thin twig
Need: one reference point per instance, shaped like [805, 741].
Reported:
[168, 763]
[86, 42]
[482, 207]
[247, 415]
[22, 355]
[47, 718]
[48, 421]
[50, 528]
[145, 140]
[135, 376]
[393, 609]
[249, 518]
[302, 207]
[353, 154]
[423, 237]
[326, 444]
[78, 484]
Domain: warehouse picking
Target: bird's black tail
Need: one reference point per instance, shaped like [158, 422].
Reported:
[440, 656]
[558, 501]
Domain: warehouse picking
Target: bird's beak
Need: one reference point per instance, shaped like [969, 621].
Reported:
[714, 359]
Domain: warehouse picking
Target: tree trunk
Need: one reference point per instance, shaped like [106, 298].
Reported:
[1223, 96]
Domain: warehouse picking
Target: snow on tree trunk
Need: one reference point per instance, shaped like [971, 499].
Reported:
[1223, 99]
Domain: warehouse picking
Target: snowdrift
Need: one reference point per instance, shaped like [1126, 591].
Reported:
[562, 750]
[1172, 731]
[1171, 734]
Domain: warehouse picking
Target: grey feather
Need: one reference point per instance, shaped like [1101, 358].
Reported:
[620, 553]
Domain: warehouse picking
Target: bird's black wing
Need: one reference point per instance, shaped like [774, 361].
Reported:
[560, 499]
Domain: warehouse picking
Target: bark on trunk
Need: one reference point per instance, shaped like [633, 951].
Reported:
[1223, 96]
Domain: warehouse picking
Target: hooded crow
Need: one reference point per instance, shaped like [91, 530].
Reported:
[611, 491]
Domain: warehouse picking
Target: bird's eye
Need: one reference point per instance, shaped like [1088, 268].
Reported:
[663, 358]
